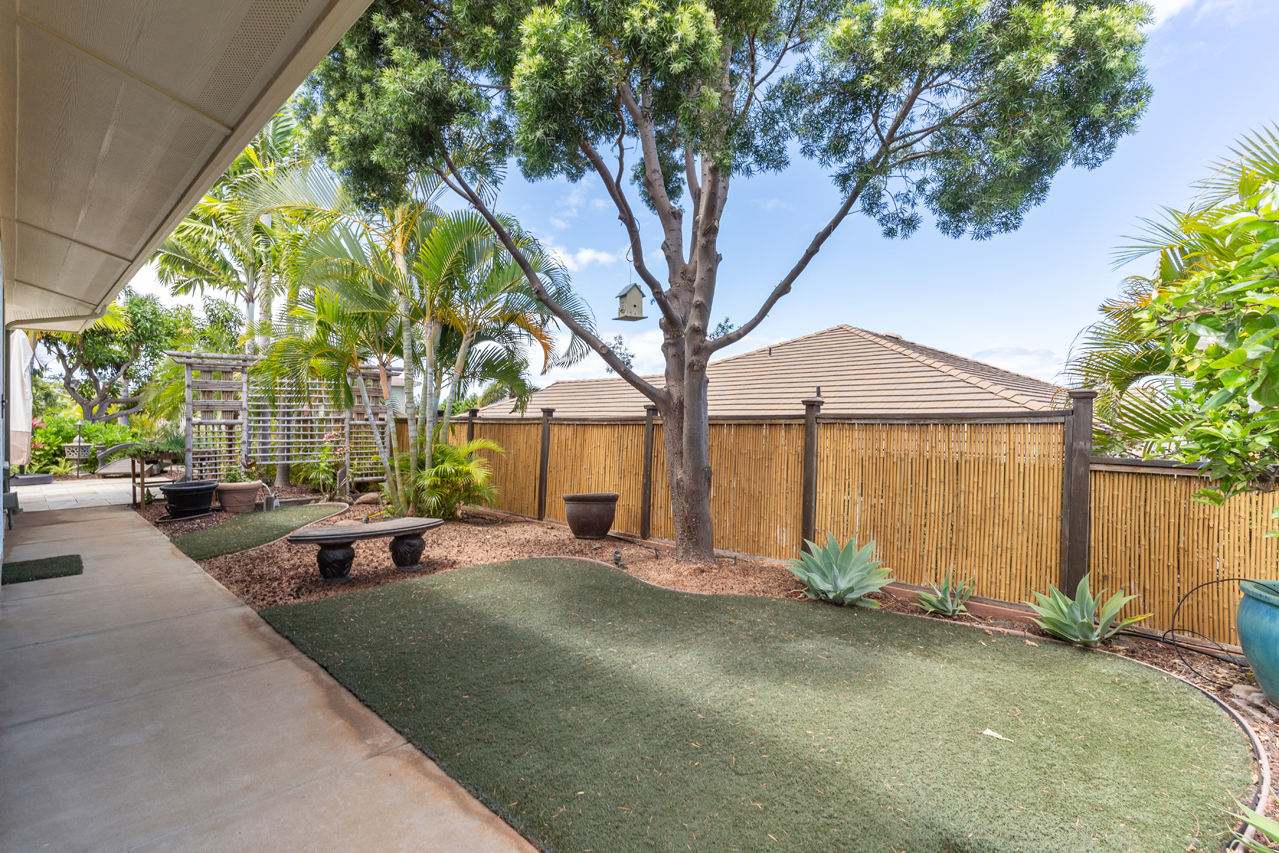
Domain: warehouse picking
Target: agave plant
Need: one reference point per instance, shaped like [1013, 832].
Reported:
[949, 598]
[1265, 826]
[1086, 620]
[843, 575]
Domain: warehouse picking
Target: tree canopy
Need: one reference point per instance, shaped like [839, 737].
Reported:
[961, 109]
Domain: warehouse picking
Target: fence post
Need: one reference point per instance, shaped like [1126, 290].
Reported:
[646, 493]
[471, 415]
[544, 463]
[808, 519]
[1076, 506]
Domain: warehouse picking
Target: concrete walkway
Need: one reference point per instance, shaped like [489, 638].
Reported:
[142, 707]
[74, 494]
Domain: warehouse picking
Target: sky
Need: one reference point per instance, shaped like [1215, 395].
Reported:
[1017, 300]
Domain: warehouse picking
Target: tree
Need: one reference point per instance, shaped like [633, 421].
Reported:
[963, 108]
[618, 345]
[218, 247]
[1214, 310]
[105, 366]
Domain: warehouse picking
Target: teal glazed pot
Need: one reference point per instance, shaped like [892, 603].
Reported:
[1258, 622]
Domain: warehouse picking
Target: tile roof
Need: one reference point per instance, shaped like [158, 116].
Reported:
[858, 372]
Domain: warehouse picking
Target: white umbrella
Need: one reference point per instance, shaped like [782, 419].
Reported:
[20, 356]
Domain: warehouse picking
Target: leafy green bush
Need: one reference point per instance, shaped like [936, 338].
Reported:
[1080, 621]
[58, 429]
[842, 575]
[949, 598]
[456, 477]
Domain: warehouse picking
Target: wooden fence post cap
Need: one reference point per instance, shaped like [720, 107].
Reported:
[1081, 393]
[475, 413]
[813, 401]
[650, 408]
[546, 413]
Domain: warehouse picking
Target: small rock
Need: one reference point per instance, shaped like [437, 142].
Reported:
[346, 522]
[1250, 694]
[1123, 642]
[370, 498]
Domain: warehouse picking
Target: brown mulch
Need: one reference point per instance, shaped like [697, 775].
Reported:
[279, 573]
[157, 510]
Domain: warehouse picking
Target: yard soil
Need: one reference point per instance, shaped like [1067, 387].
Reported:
[279, 573]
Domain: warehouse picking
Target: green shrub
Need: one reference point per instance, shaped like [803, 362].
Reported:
[58, 429]
[949, 598]
[842, 575]
[1085, 621]
[457, 476]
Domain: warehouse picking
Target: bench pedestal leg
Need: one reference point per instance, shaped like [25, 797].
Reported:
[406, 552]
[335, 561]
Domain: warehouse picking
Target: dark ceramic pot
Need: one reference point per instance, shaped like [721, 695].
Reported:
[1258, 622]
[590, 516]
[193, 497]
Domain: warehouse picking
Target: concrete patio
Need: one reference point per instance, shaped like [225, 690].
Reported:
[143, 707]
[74, 494]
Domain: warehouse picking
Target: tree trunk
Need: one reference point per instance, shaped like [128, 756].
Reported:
[430, 390]
[406, 347]
[459, 367]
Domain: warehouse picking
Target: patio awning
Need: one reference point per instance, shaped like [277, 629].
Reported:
[116, 116]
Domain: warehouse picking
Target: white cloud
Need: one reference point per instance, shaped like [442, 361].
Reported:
[769, 205]
[1042, 364]
[599, 204]
[1230, 12]
[574, 261]
[558, 223]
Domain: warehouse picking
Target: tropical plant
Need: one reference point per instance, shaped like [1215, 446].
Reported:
[322, 474]
[55, 430]
[458, 476]
[218, 247]
[949, 598]
[1217, 318]
[968, 108]
[1085, 620]
[61, 467]
[843, 575]
[1267, 826]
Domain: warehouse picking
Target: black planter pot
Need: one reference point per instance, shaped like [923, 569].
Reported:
[590, 516]
[194, 497]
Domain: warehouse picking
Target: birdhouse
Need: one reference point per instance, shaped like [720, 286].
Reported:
[630, 303]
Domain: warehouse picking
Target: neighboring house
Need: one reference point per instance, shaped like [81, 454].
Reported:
[858, 372]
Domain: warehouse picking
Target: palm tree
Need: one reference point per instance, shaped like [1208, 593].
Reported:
[324, 338]
[1122, 355]
[216, 247]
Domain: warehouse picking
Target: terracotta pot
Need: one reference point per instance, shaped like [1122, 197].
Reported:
[590, 516]
[238, 497]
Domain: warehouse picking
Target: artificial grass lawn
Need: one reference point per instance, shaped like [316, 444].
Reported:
[249, 530]
[595, 712]
[45, 567]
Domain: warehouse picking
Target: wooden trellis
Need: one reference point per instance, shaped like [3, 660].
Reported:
[232, 420]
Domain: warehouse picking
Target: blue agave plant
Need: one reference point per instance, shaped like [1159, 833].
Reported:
[843, 575]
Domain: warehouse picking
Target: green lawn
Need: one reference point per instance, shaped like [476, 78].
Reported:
[249, 531]
[597, 713]
[45, 567]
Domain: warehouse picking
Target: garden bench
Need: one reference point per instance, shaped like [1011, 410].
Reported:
[336, 554]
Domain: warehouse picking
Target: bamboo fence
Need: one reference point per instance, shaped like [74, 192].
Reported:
[981, 499]
[1151, 538]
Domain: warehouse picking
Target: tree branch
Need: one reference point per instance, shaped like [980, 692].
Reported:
[655, 182]
[610, 358]
[632, 230]
[783, 287]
